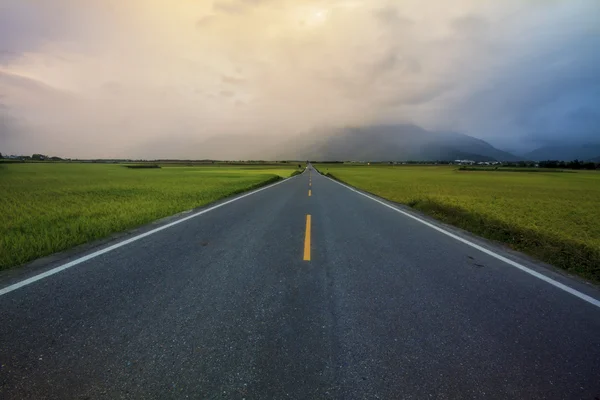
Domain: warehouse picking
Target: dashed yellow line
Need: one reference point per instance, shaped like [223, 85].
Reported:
[307, 240]
[309, 192]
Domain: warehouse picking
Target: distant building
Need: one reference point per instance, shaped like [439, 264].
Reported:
[464, 162]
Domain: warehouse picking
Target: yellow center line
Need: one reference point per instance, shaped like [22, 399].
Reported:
[307, 240]
[309, 192]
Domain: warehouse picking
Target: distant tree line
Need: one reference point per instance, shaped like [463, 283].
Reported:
[575, 164]
[33, 157]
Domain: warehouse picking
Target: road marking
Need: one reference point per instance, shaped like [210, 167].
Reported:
[307, 239]
[115, 246]
[497, 256]
[309, 192]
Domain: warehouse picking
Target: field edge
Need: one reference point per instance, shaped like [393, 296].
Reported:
[98, 241]
[567, 255]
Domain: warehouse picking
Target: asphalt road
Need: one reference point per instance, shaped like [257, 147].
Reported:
[235, 304]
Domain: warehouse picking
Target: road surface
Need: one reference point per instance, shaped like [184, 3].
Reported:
[255, 300]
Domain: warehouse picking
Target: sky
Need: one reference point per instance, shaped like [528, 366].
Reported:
[156, 78]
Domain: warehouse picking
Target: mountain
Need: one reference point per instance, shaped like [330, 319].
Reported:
[565, 153]
[371, 143]
[392, 143]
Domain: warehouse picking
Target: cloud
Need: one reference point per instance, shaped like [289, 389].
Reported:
[389, 15]
[107, 78]
[230, 7]
[232, 80]
[204, 21]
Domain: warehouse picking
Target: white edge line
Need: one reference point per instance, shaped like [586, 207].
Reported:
[95, 254]
[523, 268]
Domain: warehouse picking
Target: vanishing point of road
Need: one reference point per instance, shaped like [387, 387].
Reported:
[302, 290]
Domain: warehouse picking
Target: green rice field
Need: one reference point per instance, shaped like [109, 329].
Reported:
[554, 217]
[50, 207]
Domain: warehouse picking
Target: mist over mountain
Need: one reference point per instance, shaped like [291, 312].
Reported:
[581, 152]
[402, 142]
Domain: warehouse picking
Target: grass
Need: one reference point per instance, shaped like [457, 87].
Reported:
[49, 207]
[142, 166]
[505, 169]
[552, 217]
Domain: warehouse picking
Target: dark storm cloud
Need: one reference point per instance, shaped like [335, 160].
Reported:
[552, 96]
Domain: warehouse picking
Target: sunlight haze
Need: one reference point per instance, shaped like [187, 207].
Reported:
[158, 78]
